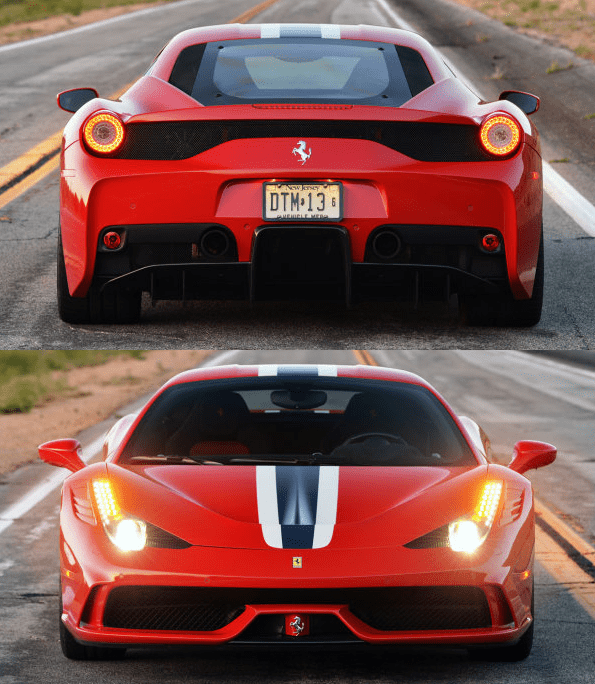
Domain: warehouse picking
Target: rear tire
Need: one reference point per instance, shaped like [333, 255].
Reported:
[75, 651]
[95, 307]
[502, 309]
[70, 309]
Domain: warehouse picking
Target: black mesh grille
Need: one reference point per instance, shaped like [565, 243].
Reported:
[387, 609]
[168, 608]
[171, 140]
[422, 608]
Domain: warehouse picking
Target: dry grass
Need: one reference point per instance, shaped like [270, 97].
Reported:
[568, 22]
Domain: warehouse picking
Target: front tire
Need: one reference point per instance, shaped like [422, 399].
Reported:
[75, 651]
[515, 652]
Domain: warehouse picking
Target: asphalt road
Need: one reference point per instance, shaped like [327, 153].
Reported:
[107, 57]
[513, 395]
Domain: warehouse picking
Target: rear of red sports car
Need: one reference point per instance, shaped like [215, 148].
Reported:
[271, 505]
[288, 161]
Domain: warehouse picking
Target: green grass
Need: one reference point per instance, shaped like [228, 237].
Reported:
[13, 11]
[26, 376]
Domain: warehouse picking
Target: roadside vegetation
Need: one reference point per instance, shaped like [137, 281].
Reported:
[29, 378]
[13, 11]
[568, 22]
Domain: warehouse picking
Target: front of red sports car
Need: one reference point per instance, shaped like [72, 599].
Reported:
[283, 504]
[273, 161]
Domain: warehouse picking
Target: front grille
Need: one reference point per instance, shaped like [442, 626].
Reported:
[208, 609]
[174, 140]
[168, 608]
[423, 608]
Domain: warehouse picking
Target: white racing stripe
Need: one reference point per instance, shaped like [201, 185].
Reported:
[268, 509]
[326, 510]
[578, 207]
[38, 493]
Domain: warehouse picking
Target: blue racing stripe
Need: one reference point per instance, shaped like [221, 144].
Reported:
[297, 501]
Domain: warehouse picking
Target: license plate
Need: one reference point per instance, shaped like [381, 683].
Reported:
[302, 202]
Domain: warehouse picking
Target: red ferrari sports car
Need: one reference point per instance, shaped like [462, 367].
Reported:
[296, 504]
[290, 161]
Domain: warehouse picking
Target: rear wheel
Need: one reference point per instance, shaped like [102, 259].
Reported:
[503, 309]
[96, 307]
[71, 309]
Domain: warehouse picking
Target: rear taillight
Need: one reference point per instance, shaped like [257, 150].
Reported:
[500, 135]
[104, 133]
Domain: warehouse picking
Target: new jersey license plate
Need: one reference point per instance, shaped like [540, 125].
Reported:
[302, 202]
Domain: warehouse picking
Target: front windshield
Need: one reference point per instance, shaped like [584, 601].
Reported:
[312, 420]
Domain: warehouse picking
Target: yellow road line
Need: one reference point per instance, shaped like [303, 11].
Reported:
[51, 145]
[364, 357]
[552, 556]
[567, 573]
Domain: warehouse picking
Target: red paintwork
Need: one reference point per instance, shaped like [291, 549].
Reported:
[224, 185]
[215, 508]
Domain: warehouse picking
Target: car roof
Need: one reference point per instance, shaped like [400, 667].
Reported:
[296, 370]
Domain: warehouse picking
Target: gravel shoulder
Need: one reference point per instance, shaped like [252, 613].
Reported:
[96, 393]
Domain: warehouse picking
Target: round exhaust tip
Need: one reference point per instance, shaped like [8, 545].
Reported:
[214, 243]
[386, 244]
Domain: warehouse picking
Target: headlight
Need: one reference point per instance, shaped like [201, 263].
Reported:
[468, 534]
[127, 533]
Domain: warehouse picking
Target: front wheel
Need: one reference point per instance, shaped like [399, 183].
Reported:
[75, 651]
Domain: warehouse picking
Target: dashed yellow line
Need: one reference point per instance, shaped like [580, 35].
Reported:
[567, 573]
[51, 146]
[364, 357]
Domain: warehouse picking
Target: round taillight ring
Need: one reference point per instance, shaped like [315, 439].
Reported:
[500, 135]
[103, 133]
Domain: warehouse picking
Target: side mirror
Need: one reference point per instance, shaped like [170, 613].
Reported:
[72, 100]
[528, 455]
[64, 453]
[525, 101]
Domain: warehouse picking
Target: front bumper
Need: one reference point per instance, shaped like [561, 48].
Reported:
[402, 600]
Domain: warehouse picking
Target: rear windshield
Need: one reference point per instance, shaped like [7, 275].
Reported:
[338, 421]
[300, 70]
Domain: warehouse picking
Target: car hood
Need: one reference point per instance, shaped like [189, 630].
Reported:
[297, 506]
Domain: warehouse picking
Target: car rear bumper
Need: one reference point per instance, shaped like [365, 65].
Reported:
[421, 201]
[302, 262]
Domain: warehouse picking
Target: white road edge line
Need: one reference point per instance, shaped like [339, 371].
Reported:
[21, 507]
[96, 25]
[570, 200]
[37, 494]
[562, 371]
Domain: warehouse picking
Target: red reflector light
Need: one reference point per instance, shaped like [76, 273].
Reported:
[490, 242]
[112, 240]
[104, 133]
[500, 135]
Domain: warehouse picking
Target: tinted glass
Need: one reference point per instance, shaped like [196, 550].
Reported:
[337, 421]
[300, 70]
